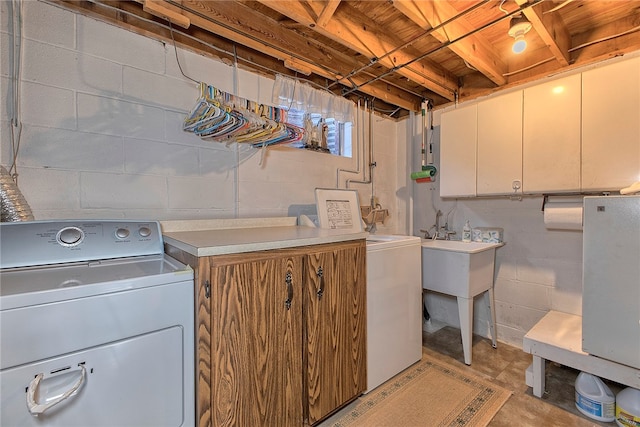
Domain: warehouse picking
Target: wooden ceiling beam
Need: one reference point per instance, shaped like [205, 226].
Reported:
[604, 42]
[387, 93]
[550, 28]
[327, 13]
[475, 49]
[354, 54]
[201, 27]
[285, 44]
[365, 40]
[158, 8]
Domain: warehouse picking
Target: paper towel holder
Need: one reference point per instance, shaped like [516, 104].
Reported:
[570, 197]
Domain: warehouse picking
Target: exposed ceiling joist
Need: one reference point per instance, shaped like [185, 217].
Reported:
[613, 39]
[327, 12]
[158, 8]
[399, 52]
[550, 28]
[476, 50]
[278, 41]
[370, 41]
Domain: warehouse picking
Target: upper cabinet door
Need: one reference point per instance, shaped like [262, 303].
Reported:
[500, 144]
[611, 126]
[551, 136]
[458, 137]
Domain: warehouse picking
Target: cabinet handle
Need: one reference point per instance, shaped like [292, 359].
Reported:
[320, 274]
[207, 289]
[289, 281]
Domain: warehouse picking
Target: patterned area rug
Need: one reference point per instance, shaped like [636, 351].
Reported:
[429, 393]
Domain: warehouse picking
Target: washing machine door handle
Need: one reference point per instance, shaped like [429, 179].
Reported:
[36, 408]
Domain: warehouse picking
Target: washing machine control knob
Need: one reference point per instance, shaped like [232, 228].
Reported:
[144, 231]
[70, 236]
[122, 233]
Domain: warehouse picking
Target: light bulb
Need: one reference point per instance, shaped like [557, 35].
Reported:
[518, 27]
[519, 45]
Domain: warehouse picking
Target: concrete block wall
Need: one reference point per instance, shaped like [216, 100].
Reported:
[102, 112]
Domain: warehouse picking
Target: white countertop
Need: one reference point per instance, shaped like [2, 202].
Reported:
[235, 236]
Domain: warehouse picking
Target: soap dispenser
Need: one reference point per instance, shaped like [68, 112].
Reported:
[466, 232]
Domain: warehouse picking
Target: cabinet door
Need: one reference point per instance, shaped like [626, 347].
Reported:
[458, 137]
[256, 364]
[500, 144]
[611, 126]
[335, 328]
[551, 138]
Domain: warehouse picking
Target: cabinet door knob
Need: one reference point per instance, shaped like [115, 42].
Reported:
[289, 281]
[320, 274]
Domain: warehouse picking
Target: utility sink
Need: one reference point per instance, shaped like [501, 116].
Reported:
[458, 268]
[458, 245]
[462, 270]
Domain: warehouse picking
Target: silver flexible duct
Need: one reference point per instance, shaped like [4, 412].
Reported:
[14, 206]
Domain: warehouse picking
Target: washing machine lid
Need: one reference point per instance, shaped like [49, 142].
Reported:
[383, 241]
[27, 286]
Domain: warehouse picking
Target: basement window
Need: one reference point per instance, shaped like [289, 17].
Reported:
[327, 118]
[338, 134]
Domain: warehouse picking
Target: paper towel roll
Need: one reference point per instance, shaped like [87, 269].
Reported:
[563, 215]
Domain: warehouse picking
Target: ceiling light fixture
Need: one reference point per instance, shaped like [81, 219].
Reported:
[518, 27]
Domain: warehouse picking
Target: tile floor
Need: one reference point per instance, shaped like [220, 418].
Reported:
[507, 365]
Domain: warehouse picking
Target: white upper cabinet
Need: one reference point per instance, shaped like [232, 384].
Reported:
[499, 165]
[458, 152]
[551, 136]
[576, 133]
[611, 126]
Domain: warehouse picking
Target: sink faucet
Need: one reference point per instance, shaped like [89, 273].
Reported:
[426, 232]
[437, 235]
[371, 228]
[441, 233]
[436, 226]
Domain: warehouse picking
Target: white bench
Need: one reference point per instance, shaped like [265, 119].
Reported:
[558, 337]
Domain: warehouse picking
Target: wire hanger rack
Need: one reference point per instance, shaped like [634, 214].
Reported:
[222, 117]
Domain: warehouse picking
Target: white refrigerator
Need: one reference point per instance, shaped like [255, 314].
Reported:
[611, 278]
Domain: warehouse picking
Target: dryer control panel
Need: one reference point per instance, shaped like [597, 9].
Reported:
[33, 243]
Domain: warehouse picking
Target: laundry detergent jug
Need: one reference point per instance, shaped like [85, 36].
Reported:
[594, 398]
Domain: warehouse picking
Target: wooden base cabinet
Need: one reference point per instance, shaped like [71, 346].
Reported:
[281, 334]
[255, 340]
[334, 328]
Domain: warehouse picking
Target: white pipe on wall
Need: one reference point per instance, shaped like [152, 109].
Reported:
[357, 148]
[370, 150]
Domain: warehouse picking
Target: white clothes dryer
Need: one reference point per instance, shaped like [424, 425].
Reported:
[96, 326]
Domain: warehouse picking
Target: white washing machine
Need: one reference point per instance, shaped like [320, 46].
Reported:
[394, 306]
[96, 326]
